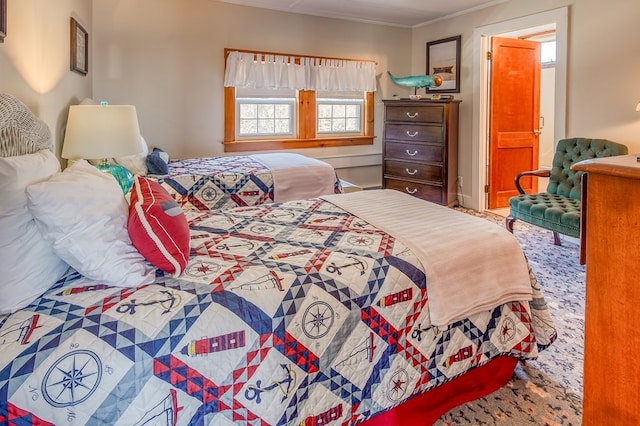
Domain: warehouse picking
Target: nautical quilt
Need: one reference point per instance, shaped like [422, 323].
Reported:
[286, 314]
[220, 182]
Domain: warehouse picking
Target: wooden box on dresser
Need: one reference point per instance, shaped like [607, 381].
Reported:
[420, 148]
[611, 233]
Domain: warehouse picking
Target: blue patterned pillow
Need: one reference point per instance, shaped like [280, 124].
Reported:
[158, 162]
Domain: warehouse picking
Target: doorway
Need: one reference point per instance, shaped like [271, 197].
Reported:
[557, 20]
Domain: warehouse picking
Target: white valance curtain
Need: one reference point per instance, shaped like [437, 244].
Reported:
[281, 72]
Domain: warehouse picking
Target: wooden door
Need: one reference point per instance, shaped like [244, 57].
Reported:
[514, 116]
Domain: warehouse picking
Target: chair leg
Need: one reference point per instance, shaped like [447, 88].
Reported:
[556, 239]
[509, 221]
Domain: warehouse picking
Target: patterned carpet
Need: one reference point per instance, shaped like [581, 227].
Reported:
[547, 391]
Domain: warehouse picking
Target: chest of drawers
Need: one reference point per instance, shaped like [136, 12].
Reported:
[420, 149]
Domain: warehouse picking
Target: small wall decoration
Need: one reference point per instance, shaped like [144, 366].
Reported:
[3, 20]
[443, 59]
[79, 48]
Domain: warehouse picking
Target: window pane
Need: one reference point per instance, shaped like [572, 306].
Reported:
[338, 125]
[339, 110]
[282, 111]
[324, 111]
[340, 114]
[324, 125]
[248, 110]
[265, 117]
[282, 126]
[248, 127]
[265, 110]
[352, 125]
[266, 127]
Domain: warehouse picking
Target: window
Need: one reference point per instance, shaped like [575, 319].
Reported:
[261, 114]
[548, 53]
[269, 119]
[339, 113]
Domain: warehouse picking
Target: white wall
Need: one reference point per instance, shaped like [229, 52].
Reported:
[35, 58]
[603, 86]
[166, 57]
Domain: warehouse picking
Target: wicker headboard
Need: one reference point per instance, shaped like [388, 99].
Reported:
[21, 132]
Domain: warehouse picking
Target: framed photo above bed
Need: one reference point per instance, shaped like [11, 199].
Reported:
[3, 20]
[443, 58]
[79, 48]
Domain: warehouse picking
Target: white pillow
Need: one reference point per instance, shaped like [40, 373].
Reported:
[136, 163]
[28, 264]
[84, 213]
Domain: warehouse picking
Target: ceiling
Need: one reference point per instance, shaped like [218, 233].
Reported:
[402, 13]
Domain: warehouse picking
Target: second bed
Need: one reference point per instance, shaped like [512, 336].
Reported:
[211, 183]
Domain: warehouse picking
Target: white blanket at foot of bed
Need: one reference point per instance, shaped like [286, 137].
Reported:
[471, 264]
[297, 177]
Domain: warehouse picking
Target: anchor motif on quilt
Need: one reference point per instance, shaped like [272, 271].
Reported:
[285, 386]
[172, 300]
[228, 247]
[417, 332]
[357, 263]
[281, 215]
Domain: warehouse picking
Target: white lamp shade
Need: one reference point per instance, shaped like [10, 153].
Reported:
[101, 131]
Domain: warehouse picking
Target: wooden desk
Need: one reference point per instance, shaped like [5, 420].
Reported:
[612, 312]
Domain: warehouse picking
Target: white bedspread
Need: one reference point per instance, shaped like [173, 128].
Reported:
[297, 177]
[471, 264]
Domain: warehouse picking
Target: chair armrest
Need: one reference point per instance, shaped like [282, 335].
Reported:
[537, 173]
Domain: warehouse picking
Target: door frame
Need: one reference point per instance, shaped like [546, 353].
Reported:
[480, 134]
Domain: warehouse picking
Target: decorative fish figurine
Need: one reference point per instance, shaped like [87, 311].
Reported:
[417, 80]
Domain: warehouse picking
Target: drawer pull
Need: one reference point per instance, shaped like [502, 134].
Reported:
[411, 154]
[414, 115]
[411, 172]
[410, 191]
[412, 135]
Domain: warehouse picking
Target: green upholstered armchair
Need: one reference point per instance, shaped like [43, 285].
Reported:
[558, 209]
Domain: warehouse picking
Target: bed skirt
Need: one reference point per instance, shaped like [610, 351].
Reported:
[425, 409]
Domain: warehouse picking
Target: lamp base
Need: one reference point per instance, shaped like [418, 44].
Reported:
[121, 173]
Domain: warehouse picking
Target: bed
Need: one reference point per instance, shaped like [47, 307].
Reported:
[247, 180]
[372, 307]
[298, 313]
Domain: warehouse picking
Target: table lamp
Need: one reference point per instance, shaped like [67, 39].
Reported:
[100, 132]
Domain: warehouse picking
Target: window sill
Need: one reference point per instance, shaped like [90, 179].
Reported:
[284, 144]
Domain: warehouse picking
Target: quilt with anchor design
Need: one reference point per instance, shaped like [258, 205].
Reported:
[287, 314]
[221, 182]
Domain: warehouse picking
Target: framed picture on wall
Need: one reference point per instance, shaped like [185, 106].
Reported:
[3, 20]
[443, 58]
[79, 48]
